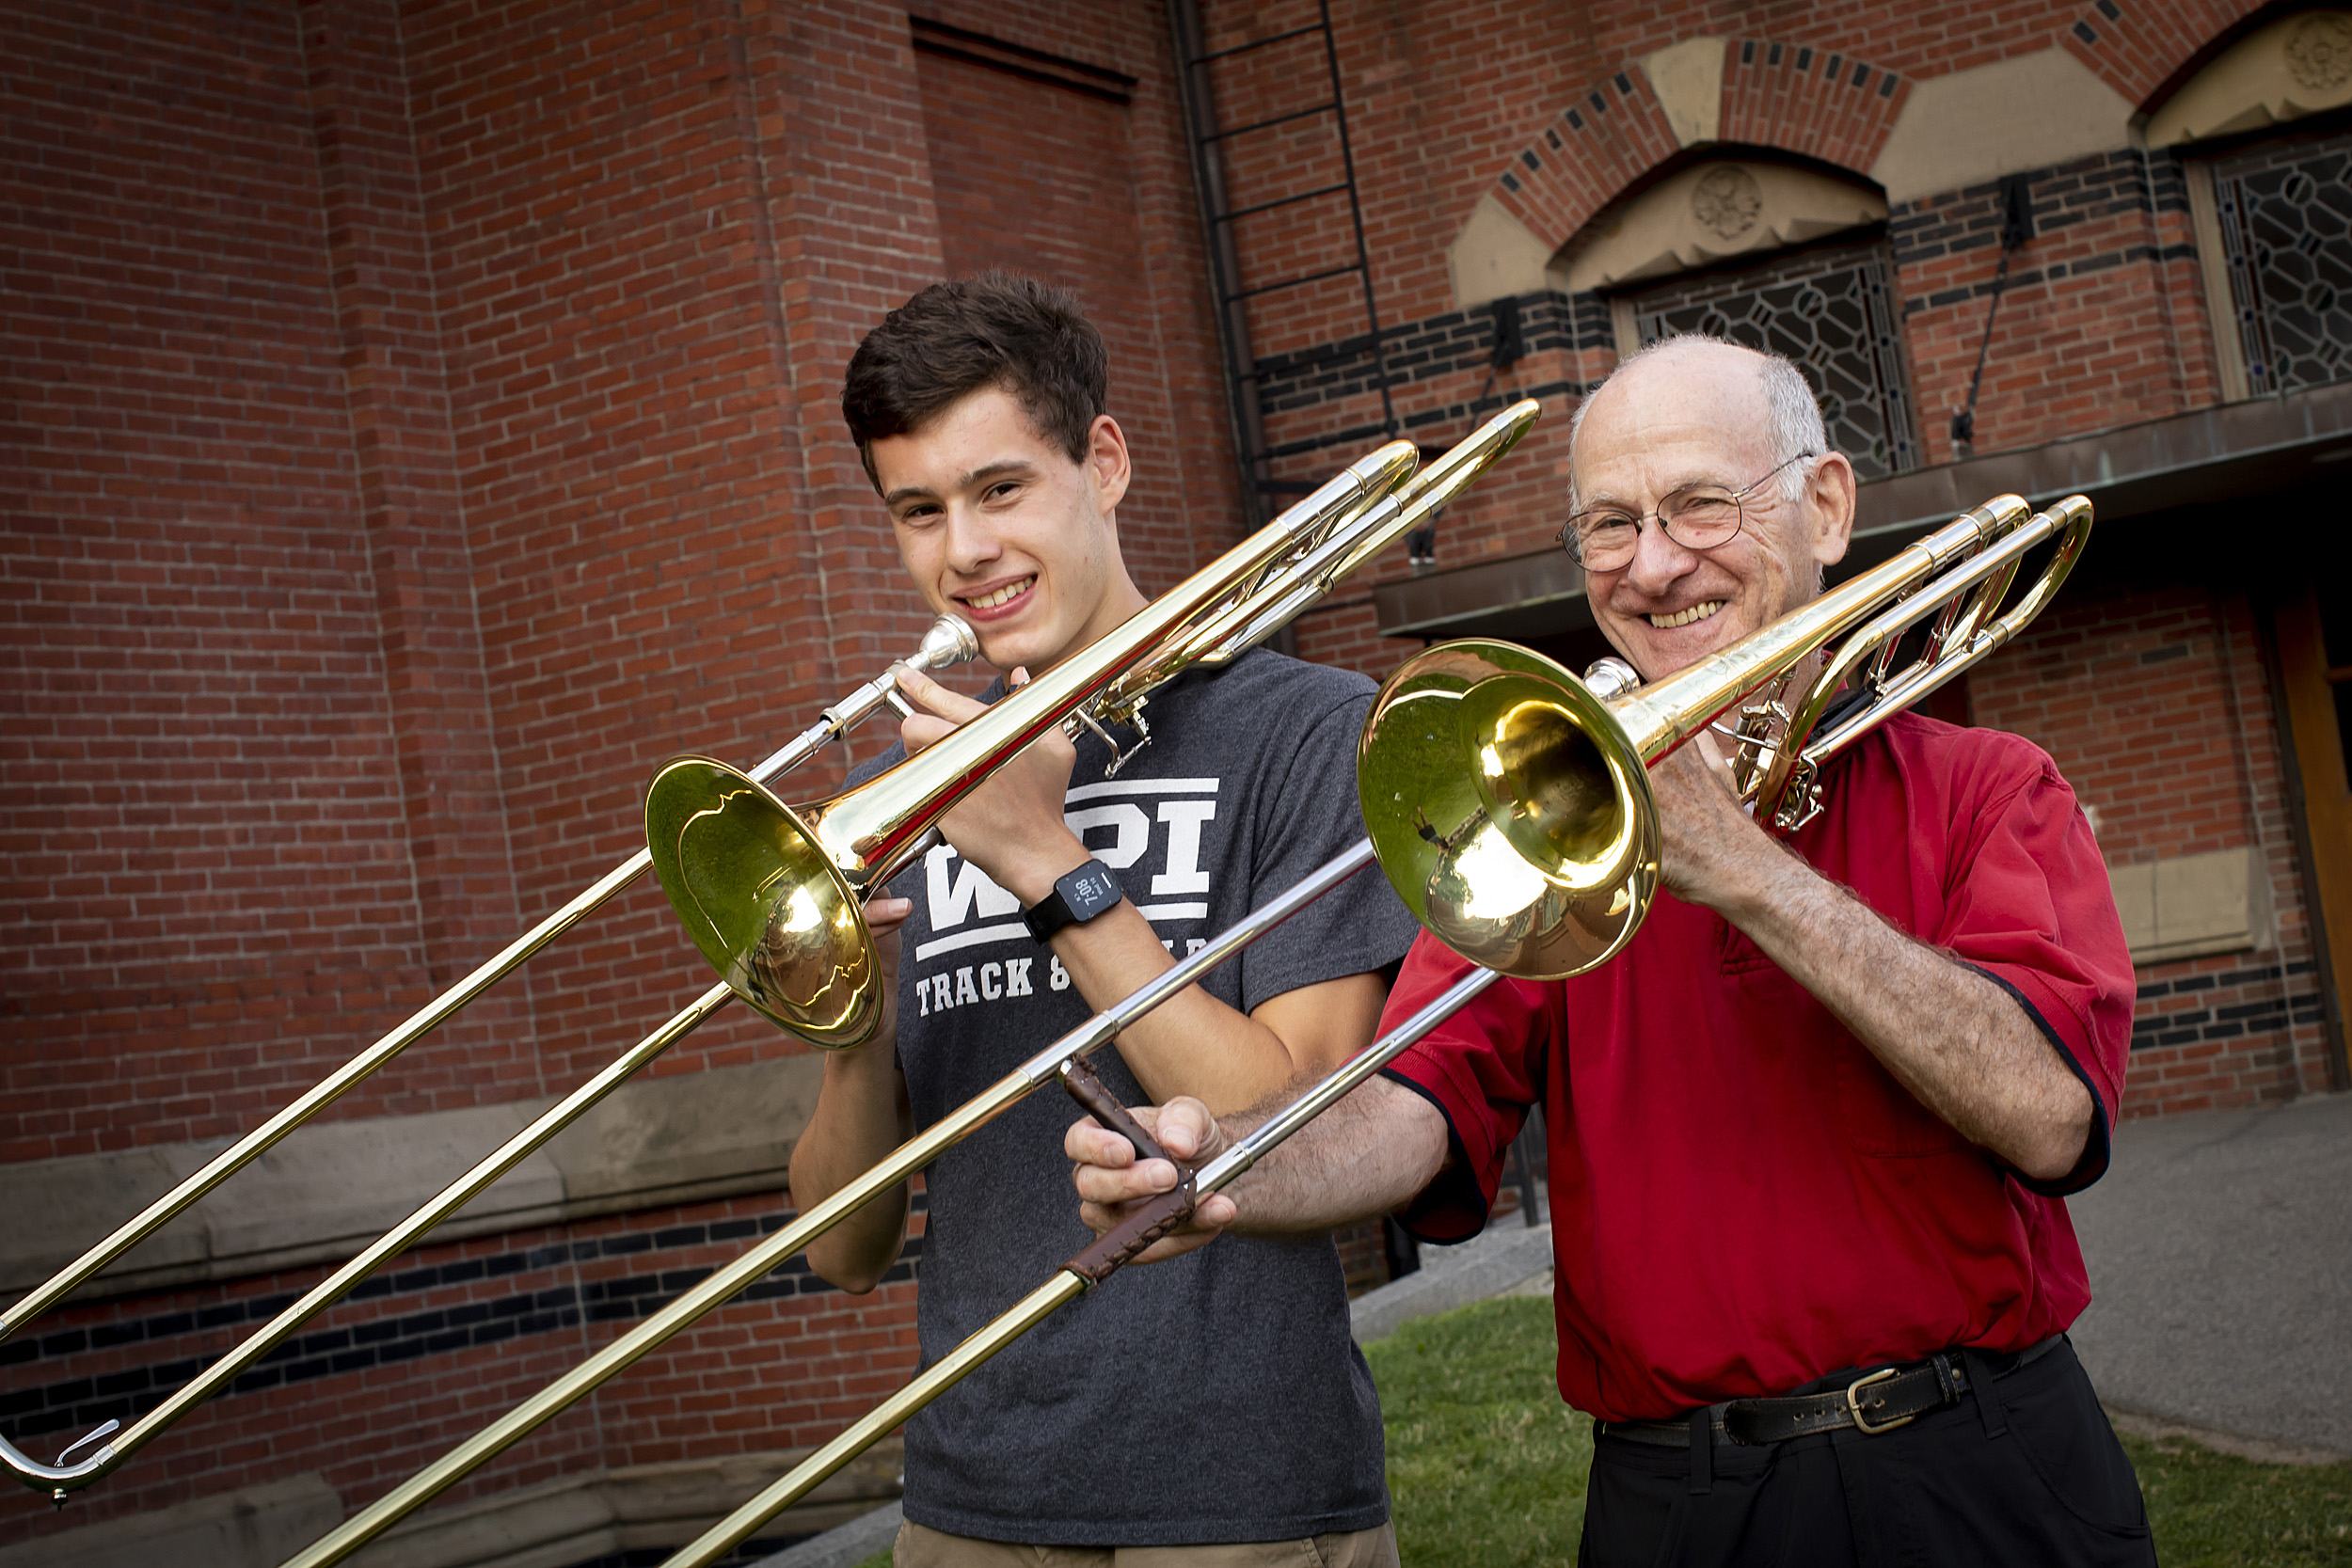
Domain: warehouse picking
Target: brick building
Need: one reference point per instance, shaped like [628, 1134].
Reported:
[420, 422]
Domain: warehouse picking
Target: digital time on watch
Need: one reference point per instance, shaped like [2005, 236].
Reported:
[1077, 897]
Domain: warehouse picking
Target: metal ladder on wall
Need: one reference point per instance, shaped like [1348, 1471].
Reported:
[1260, 490]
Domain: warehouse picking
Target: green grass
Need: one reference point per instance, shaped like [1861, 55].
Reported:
[2216, 1511]
[1487, 1466]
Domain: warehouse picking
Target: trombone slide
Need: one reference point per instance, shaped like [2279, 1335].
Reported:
[739, 1275]
[947, 641]
[1215, 612]
[1559, 803]
[1091, 1268]
[1707, 693]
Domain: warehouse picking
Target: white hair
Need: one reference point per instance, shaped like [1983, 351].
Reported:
[1792, 418]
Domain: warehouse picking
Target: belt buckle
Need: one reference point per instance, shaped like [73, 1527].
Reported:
[1854, 1406]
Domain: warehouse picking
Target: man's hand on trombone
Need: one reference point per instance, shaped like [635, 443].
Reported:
[1961, 1044]
[1370, 1155]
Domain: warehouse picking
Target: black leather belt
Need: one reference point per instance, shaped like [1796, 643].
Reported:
[1876, 1401]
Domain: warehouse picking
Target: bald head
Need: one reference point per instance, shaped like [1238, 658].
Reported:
[1684, 418]
[1758, 404]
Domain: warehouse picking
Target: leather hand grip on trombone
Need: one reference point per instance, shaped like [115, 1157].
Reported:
[1149, 1221]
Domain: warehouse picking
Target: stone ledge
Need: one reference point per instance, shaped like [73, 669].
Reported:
[570, 1520]
[843, 1546]
[641, 1507]
[1486, 1265]
[329, 1190]
[255, 1528]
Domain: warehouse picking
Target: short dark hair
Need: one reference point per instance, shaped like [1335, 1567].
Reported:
[996, 330]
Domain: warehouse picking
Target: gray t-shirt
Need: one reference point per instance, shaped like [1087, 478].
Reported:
[1219, 1397]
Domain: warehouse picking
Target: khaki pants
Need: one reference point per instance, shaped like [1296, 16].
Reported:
[918, 1547]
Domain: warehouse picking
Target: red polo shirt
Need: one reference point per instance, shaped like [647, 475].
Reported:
[1743, 1199]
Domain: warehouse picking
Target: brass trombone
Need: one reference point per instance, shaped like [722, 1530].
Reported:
[774, 896]
[858, 838]
[1299, 540]
[1549, 857]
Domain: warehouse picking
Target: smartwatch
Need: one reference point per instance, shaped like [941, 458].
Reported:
[1076, 898]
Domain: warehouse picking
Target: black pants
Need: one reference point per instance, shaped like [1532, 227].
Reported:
[2023, 1471]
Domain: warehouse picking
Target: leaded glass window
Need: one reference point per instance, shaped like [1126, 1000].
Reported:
[1832, 313]
[2286, 236]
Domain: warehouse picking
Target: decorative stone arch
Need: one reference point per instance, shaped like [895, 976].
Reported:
[1653, 111]
[2140, 49]
[2293, 66]
[1715, 210]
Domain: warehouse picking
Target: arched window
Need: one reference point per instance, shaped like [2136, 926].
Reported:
[2263, 134]
[2285, 216]
[1782, 258]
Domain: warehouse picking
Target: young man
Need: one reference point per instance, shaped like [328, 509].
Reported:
[979, 407]
[1810, 1130]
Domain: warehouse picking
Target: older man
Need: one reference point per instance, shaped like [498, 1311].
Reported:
[1811, 1131]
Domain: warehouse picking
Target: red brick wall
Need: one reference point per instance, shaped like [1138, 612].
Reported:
[2104, 325]
[1102, 207]
[2158, 707]
[424, 422]
[210, 881]
[429, 422]
[2104, 322]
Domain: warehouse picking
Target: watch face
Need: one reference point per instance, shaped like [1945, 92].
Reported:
[1088, 891]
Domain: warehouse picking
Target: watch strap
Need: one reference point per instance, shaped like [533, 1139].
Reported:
[1078, 897]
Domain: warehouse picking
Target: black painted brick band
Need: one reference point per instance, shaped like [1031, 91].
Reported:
[83, 1401]
[1456, 343]
[2062, 195]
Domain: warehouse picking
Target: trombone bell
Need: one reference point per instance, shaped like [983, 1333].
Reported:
[1509, 808]
[797, 948]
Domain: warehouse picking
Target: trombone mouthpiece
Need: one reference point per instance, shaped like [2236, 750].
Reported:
[1609, 676]
[950, 641]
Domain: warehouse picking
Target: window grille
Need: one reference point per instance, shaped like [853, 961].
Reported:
[1833, 312]
[2286, 239]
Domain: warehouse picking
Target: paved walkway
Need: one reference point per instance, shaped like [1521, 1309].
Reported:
[2221, 1253]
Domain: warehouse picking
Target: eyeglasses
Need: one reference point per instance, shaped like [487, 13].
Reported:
[1697, 517]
